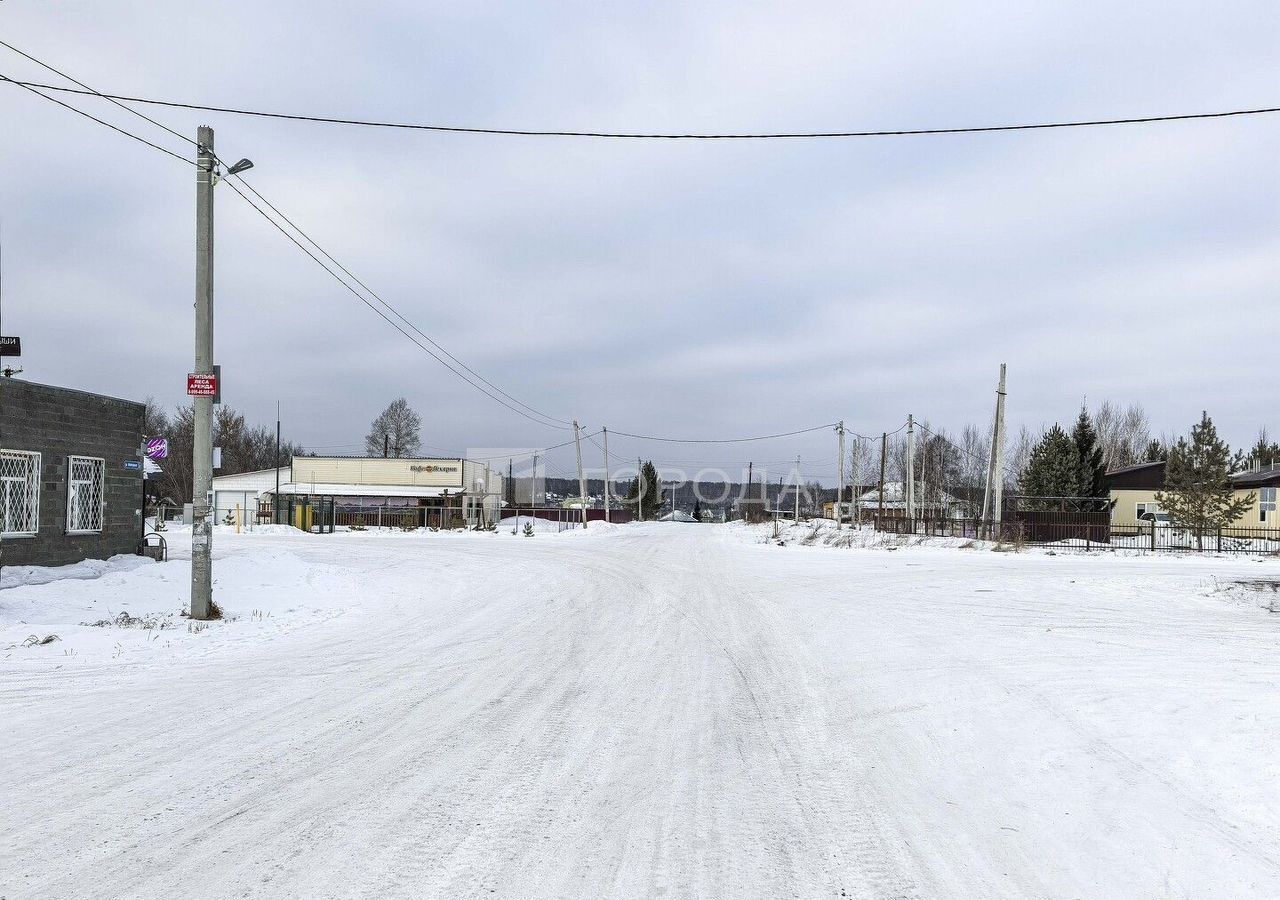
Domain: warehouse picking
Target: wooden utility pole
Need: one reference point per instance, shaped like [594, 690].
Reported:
[606, 475]
[910, 495]
[993, 496]
[582, 478]
[796, 513]
[884, 448]
[997, 456]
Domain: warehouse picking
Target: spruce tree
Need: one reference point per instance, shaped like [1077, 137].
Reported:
[649, 490]
[1155, 452]
[1091, 471]
[1197, 490]
[1053, 469]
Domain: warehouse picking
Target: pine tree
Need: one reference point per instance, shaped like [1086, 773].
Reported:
[1091, 472]
[1053, 469]
[1155, 452]
[1198, 493]
[1264, 453]
[650, 493]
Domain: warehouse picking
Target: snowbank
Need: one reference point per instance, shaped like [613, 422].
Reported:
[19, 576]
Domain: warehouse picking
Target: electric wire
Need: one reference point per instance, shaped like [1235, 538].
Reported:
[553, 422]
[115, 128]
[90, 91]
[673, 136]
[763, 437]
[318, 261]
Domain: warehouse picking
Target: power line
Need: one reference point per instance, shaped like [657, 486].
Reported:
[763, 437]
[115, 128]
[381, 314]
[90, 91]
[638, 135]
[396, 313]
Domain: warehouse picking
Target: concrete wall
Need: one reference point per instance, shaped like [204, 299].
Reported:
[57, 423]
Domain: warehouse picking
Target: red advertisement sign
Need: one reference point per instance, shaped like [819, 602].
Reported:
[202, 385]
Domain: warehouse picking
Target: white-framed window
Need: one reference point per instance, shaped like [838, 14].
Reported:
[19, 493]
[84, 494]
[1141, 510]
[1266, 504]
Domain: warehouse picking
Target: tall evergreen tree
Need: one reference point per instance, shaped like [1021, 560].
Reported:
[648, 490]
[1198, 493]
[1264, 452]
[1091, 471]
[1155, 452]
[1053, 469]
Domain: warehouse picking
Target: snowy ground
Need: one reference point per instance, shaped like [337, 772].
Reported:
[642, 711]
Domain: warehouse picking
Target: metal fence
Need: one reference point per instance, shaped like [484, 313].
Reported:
[1081, 531]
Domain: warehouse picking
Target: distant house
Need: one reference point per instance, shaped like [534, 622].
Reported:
[1133, 495]
[943, 505]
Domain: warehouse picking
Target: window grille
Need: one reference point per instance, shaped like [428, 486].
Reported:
[84, 494]
[19, 492]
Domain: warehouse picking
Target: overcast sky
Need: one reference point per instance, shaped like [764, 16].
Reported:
[705, 289]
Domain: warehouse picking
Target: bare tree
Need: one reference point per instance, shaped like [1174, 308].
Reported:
[1123, 435]
[395, 430]
[1018, 455]
[155, 421]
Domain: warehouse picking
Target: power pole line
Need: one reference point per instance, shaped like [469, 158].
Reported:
[275, 498]
[533, 480]
[840, 474]
[997, 457]
[796, 509]
[582, 479]
[606, 475]
[202, 452]
[639, 487]
[884, 447]
[911, 470]
[987, 493]
[855, 477]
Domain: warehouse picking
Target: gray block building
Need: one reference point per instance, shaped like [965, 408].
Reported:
[70, 475]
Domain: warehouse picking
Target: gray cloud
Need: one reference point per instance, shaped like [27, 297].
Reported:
[719, 289]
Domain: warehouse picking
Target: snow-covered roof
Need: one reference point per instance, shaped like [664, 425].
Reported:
[262, 480]
[894, 492]
[678, 516]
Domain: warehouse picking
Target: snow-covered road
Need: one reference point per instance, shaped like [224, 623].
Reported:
[650, 711]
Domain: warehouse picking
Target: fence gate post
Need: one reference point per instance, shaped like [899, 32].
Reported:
[1153, 535]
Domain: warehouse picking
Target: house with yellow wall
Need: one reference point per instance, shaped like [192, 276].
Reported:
[1133, 489]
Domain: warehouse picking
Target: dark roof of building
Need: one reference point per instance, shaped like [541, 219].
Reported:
[1134, 468]
[1266, 477]
[1142, 477]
